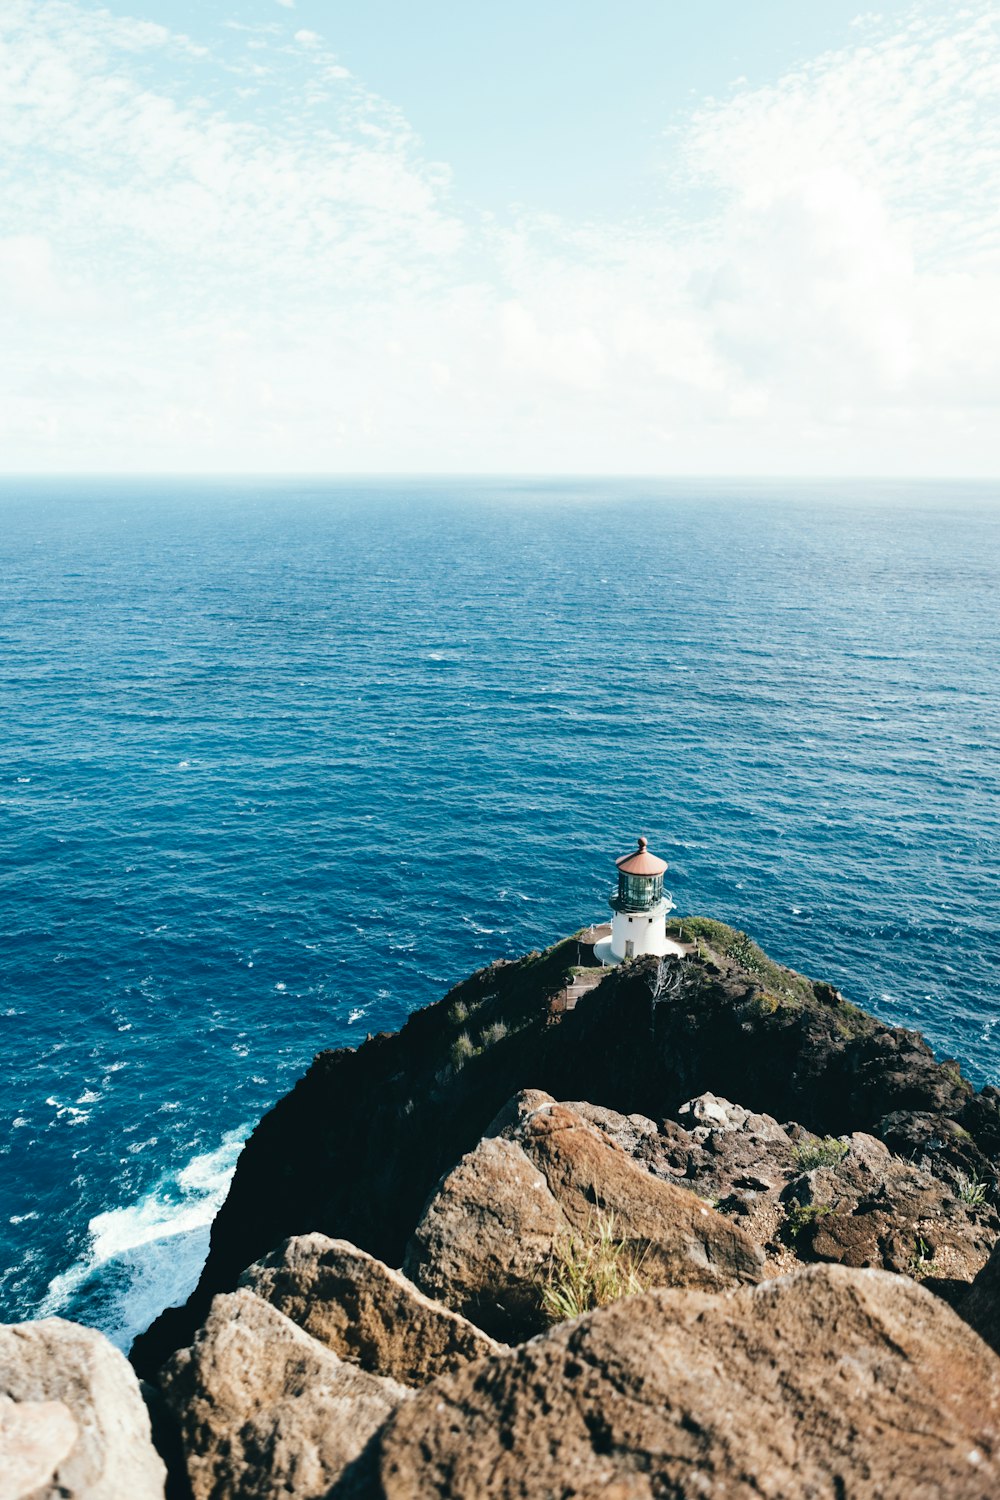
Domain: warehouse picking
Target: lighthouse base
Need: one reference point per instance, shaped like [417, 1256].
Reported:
[637, 933]
[603, 953]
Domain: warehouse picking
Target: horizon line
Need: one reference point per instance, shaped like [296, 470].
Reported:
[570, 475]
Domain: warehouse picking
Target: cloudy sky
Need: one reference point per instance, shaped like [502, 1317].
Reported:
[616, 236]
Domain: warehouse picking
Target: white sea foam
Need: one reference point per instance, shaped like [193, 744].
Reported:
[147, 1255]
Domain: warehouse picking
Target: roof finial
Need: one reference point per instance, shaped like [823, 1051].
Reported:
[642, 842]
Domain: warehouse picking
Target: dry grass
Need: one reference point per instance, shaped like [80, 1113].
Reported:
[825, 1151]
[590, 1268]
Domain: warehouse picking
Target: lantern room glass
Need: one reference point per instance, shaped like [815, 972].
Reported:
[637, 892]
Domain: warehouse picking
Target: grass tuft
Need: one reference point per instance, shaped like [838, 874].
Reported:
[462, 1049]
[590, 1268]
[820, 1152]
[971, 1188]
[922, 1260]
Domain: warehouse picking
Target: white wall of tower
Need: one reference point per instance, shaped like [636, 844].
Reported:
[645, 930]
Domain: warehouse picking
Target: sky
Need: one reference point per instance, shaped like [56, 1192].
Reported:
[612, 236]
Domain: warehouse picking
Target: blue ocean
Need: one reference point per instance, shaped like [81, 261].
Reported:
[282, 761]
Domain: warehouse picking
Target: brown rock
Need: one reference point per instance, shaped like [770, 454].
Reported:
[483, 1237]
[487, 1235]
[368, 1314]
[683, 1242]
[876, 1210]
[825, 1383]
[709, 1112]
[637, 1135]
[266, 1411]
[866, 1208]
[76, 1424]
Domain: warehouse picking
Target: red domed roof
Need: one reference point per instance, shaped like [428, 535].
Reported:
[641, 862]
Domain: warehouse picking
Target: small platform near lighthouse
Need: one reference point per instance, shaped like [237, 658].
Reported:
[640, 906]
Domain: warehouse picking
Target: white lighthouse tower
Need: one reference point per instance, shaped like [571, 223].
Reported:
[640, 907]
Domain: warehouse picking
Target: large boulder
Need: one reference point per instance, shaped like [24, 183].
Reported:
[264, 1410]
[487, 1235]
[36, 1437]
[74, 1423]
[829, 1382]
[366, 1313]
[483, 1238]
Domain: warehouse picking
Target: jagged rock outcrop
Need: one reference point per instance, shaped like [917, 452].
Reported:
[485, 1237]
[73, 1425]
[264, 1410]
[365, 1312]
[848, 1200]
[828, 1382]
[358, 1146]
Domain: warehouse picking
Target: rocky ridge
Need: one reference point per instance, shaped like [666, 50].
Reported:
[788, 1208]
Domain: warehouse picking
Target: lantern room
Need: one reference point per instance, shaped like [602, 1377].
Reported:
[640, 880]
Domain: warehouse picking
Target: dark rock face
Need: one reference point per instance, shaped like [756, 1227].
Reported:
[486, 1235]
[980, 1307]
[359, 1145]
[826, 1383]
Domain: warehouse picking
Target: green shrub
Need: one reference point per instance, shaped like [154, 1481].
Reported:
[825, 1152]
[727, 942]
[493, 1033]
[800, 1215]
[589, 1269]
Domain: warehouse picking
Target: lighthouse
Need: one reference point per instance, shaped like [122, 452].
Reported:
[640, 906]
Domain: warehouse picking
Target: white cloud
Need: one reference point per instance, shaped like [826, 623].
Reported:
[289, 284]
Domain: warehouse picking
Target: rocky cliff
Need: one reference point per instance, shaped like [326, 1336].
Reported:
[684, 1227]
[356, 1148]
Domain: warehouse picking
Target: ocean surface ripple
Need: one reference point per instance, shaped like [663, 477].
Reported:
[284, 761]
